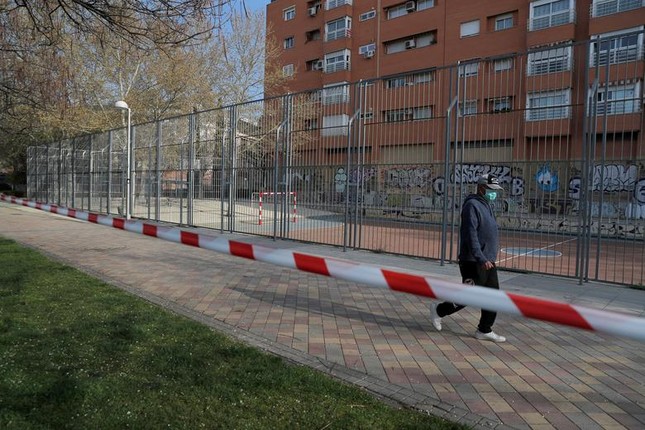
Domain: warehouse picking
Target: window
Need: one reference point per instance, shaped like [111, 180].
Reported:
[609, 7]
[423, 78]
[424, 112]
[550, 13]
[500, 104]
[408, 114]
[331, 4]
[424, 4]
[411, 79]
[469, 28]
[619, 99]
[288, 42]
[502, 64]
[311, 124]
[548, 105]
[335, 93]
[468, 107]
[335, 125]
[289, 13]
[402, 9]
[315, 64]
[618, 47]
[503, 22]
[426, 39]
[287, 70]
[415, 41]
[336, 61]
[470, 69]
[312, 35]
[367, 15]
[549, 61]
[338, 28]
[395, 82]
[363, 50]
[313, 7]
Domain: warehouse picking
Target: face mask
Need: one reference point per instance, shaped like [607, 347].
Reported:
[490, 195]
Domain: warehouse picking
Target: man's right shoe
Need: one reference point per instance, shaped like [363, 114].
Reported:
[436, 319]
[492, 336]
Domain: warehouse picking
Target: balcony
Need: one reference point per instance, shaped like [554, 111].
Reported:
[336, 67]
[554, 19]
[610, 7]
[338, 34]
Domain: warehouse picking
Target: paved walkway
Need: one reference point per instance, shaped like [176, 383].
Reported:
[544, 376]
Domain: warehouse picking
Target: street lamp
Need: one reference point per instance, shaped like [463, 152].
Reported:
[124, 106]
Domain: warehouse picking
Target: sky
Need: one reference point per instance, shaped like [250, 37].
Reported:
[256, 5]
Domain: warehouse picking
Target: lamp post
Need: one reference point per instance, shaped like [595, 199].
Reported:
[124, 106]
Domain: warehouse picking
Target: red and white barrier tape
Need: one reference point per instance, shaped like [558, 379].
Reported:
[495, 300]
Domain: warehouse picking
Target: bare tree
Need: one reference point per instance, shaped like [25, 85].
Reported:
[150, 23]
[49, 86]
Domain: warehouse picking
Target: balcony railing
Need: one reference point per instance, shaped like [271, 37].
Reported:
[336, 67]
[331, 4]
[610, 7]
[552, 20]
[337, 34]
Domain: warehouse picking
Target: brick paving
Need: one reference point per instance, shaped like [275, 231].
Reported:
[545, 376]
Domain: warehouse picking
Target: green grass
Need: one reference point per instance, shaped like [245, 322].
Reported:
[78, 353]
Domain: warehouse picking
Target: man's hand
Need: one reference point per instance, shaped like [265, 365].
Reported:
[488, 265]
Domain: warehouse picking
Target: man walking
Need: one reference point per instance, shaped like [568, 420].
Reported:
[478, 249]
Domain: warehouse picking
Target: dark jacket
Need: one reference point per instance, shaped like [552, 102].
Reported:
[479, 232]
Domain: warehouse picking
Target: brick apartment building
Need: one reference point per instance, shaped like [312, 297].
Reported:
[526, 80]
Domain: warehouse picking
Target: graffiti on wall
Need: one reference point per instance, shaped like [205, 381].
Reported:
[547, 179]
[610, 178]
[421, 189]
[468, 174]
[364, 174]
[406, 178]
[614, 178]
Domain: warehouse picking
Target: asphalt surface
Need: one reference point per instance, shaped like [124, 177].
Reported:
[544, 376]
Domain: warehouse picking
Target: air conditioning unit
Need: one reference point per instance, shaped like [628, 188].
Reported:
[368, 54]
[411, 6]
[313, 11]
[317, 65]
[409, 44]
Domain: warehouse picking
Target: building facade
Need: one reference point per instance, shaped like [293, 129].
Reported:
[524, 80]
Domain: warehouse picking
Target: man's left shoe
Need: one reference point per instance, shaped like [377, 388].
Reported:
[490, 336]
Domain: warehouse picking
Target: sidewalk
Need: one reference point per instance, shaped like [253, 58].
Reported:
[544, 376]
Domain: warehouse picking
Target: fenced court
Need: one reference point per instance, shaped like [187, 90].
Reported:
[384, 164]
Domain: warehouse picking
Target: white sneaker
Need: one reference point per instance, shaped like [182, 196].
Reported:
[490, 336]
[436, 319]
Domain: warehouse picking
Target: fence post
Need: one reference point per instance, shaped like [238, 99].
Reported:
[359, 164]
[232, 152]
[350, 123]
[158, 171]
[191, 174]
[588, 126]
[446, 168]
[90, 179]
[276, 168]
[109, 184]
